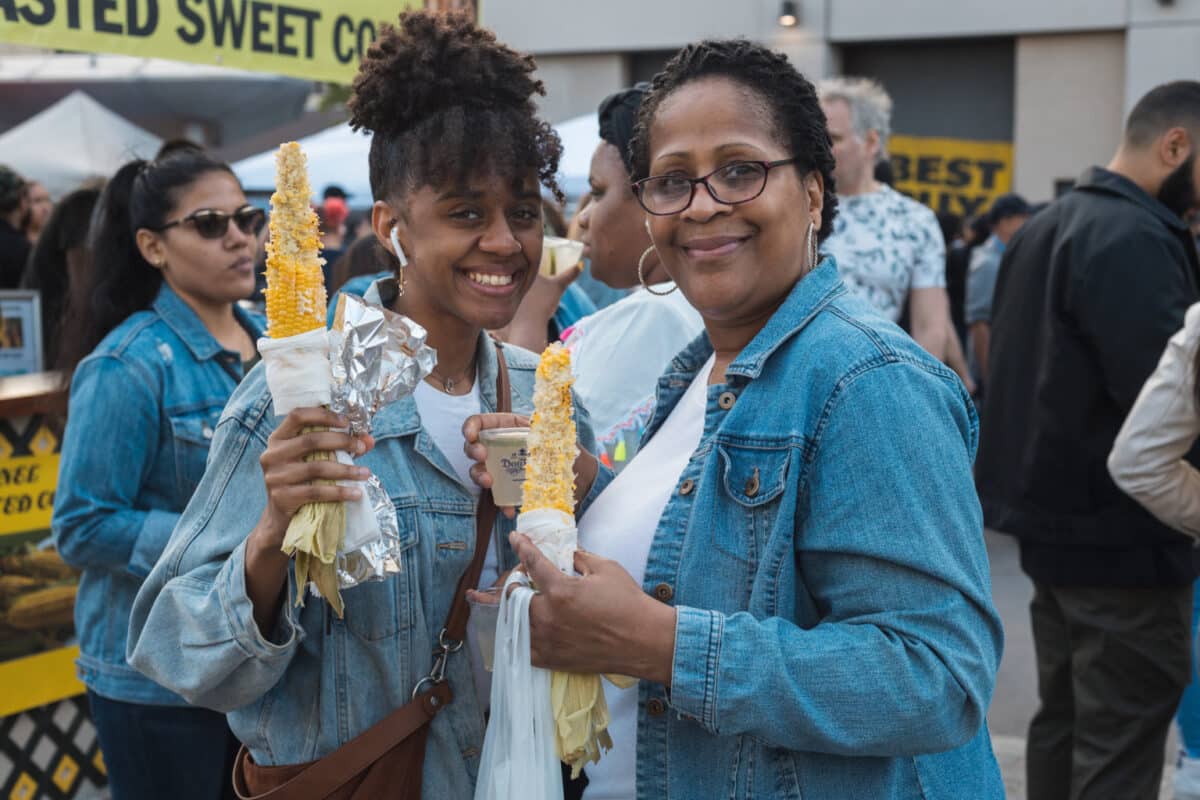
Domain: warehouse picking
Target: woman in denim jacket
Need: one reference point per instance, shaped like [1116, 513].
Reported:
[455, 166]
[167, 346]
[796, 567]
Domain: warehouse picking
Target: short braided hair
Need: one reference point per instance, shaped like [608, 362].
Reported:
[787, 95]
[445, 101]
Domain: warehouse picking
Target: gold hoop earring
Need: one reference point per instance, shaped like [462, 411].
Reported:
[811, 246]
[642, 276]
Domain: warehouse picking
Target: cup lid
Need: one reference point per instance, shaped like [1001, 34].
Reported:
[504, 433]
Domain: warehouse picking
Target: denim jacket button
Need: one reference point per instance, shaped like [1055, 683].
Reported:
[686, 487]
[664, 592]
[752, 484]
[726, 400]
[656, 707]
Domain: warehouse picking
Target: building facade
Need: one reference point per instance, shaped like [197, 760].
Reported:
[1020, 95]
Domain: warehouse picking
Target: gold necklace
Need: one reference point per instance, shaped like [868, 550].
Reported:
[448, 384]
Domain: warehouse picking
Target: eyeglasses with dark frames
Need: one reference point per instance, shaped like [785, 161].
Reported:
[731, 184]
[213, 224]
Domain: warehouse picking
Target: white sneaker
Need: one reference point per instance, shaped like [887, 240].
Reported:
[1187, 778]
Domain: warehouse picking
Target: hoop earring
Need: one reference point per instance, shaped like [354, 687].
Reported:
[399, 251]
[642, 276]
[812, 248]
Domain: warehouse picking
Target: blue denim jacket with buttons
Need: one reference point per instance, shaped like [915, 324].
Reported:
[318, 681]
[143, 409]
[835, 633]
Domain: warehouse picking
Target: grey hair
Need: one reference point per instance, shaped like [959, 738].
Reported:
[870, 106]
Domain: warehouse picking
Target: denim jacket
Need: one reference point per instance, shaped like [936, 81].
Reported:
[835, 633]
[142, 413]
[318, 681]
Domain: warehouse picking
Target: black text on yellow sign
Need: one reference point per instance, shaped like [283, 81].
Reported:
[315, 39]
[955, 176]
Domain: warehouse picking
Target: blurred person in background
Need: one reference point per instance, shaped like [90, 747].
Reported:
[332, 215]
[619, 353]
[1006, 216]
[38, 212]
[58, 265]
[364, 262]
[888, 247]
[953, 234]
[601, 294]
[14, 247]
[153, 358]
[1153, 461]
[1089, 293]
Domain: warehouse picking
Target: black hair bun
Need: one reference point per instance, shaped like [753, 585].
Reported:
[433, 62]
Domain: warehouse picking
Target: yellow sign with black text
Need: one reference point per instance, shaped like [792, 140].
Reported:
[957, 176]
[315, 39]
[27, 485]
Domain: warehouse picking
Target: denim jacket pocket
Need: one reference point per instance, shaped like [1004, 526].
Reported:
[381, 609]
[753, 477]
[192, 436]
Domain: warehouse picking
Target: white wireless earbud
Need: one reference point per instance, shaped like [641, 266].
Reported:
[397, 249]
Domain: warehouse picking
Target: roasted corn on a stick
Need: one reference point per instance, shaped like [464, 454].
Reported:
[580, 711]
[295, 305]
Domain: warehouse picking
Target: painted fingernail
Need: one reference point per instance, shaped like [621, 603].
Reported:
[360, 446]
[355, 494]
[363, 473]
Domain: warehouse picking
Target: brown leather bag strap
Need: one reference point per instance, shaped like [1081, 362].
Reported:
[326, 775]
[485, 521]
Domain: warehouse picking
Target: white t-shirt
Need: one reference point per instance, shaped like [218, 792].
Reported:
[620, 525]
[618, 354]
[442, 417]
[887, 244]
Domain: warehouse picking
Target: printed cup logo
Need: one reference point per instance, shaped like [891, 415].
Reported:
[514, 465]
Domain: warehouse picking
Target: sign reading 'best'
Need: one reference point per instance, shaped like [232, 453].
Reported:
[314, 39]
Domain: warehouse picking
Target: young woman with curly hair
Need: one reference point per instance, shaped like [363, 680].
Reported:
[456, 165]
[793, 564]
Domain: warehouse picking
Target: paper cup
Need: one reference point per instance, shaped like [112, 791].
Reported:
[559, 254]
[506, 456]
[481, 625]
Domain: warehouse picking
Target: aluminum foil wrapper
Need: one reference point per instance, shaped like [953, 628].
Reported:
[376, 356]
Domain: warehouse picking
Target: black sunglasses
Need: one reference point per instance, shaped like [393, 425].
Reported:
[212, 224]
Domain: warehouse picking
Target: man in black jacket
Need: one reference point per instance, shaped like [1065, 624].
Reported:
[14, 247]
[1089, 292]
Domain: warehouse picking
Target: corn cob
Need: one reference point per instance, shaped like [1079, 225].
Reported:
[550, 468]
[580, 711]
[45, 608]
[13, 585]
[295, 283]
[38, 564]
[296, 304]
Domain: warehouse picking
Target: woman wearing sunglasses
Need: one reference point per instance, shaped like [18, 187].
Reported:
[155, 356]
[793, 564]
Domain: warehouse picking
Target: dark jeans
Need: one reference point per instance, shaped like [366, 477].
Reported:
[179, 753]
[1112, 665]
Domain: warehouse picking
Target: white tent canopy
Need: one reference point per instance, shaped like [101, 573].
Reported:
[74, 140]
[338, 155]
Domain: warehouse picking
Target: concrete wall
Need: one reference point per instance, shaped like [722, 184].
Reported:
[1163, 45]
[864, 20]
[1069, 107]
[575, 84]
[573, 26]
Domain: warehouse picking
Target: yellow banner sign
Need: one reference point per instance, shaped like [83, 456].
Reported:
[27, 486]
[314, 39]
[956, 176]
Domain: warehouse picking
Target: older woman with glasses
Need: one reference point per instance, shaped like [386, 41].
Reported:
[793, 564]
